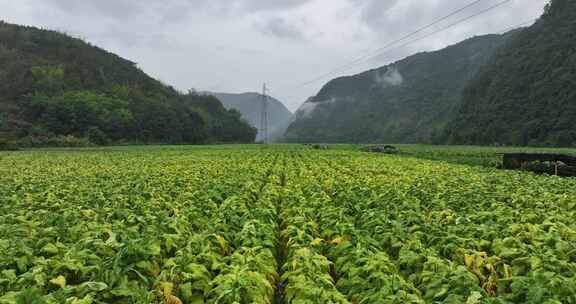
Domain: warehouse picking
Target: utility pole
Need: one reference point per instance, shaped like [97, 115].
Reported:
[264, 117]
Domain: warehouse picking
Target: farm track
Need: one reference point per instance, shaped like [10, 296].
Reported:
[281, 249]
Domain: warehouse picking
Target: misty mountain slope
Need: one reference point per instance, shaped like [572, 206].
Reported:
[527, 94]
[250, 106]
[405, 102]
[53, 85]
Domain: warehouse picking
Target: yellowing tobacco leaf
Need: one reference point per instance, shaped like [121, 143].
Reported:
[86, 300]
[317, 242]
[173, 300]
[167, 288]
[339, 240]
[508, 271]
[468, 260]
[222, 242]
[88, 212]
[59, 281]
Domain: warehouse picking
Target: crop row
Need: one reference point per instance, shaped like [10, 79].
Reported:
[139, 229]
[279, 226]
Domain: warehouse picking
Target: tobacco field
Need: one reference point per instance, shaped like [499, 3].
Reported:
[282, 224]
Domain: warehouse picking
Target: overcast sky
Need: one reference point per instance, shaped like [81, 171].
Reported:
[236, 45]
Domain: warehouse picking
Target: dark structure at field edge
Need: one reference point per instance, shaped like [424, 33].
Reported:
[563, 165]
[387, 149]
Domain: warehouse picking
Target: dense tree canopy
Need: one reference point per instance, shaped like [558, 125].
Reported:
[526, 95]
[516, 90]
[406, 102]
[53, 85]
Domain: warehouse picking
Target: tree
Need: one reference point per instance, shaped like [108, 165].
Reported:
[97, 137]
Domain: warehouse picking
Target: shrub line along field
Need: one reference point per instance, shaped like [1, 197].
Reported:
[279, 224]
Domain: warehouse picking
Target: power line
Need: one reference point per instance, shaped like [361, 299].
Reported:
[402, 38]
[501, 31]
[387, 46]
[447, 27]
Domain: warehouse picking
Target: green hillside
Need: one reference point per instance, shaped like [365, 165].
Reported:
[527, 94]
[53, 85]
[406, 102]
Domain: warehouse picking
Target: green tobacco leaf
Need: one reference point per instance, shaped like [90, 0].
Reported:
[155, 249]
[86, 300]
[30, 296]
[50, 248]
[474, 298]
[88, 287]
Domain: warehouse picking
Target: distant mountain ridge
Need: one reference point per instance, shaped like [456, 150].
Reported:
[250, 106]
[409, 101]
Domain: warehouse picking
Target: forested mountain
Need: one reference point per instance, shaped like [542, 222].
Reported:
[406, 102]
[53, 85]
[526, 95]
[250, 106]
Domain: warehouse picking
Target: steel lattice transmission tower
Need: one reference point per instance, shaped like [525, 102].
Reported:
[264, 116]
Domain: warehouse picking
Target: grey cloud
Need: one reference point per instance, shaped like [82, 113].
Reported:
[127, 8]
[190, 43]
[391, 20]
[280, 28]
[132, 40]
[374, 11]
[272, 4]
[115, 8]
[393, 17]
